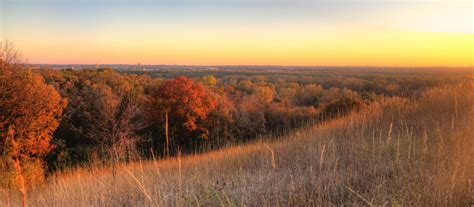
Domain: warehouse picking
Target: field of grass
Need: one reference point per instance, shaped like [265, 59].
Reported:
[396, 152]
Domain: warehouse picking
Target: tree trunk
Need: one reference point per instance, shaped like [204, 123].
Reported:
[166, 134]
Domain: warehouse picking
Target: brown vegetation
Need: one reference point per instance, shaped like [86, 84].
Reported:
[398, 152]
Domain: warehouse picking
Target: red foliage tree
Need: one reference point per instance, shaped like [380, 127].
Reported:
[185, 102]
[29, 113]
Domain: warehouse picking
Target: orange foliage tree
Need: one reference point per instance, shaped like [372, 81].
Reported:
[29, 113]
[186, 104]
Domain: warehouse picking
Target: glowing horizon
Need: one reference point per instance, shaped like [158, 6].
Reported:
[230, 32]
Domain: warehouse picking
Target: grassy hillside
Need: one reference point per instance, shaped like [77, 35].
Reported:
[395, 152]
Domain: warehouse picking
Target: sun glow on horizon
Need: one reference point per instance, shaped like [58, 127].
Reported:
[315, 33]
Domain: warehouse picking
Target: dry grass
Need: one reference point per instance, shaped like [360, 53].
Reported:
[398, 152]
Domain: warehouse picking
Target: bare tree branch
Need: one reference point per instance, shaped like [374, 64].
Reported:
[9, 55]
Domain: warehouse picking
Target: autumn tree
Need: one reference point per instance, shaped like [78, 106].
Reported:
[184, 105]
[263, 94]
[208, 80]
[30, 111]
[103, 118]
[221, 122]
[308, 95]
[117, 132]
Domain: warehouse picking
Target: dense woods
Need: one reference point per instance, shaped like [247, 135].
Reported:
[114, 115]
[122, 116]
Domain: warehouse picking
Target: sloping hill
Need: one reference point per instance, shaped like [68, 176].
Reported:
[396, 152]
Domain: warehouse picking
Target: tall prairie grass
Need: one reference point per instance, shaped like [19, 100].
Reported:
[396, 152]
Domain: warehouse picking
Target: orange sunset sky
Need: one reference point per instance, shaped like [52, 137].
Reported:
[231, 32]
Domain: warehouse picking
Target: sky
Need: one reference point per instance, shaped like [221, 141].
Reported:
[242, 32]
